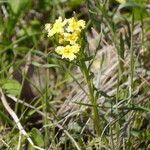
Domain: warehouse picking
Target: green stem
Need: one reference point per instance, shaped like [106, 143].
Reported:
[92, 97]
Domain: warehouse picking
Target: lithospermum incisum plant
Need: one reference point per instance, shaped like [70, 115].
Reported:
[68, 34]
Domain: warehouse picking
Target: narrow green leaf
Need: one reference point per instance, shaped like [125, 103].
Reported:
[36, 64]
[37, 137]
[45, 65]
[50, 65]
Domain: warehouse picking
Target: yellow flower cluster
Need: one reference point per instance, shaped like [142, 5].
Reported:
[68, 31]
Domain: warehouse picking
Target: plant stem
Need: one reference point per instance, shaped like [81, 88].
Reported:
[92, 97]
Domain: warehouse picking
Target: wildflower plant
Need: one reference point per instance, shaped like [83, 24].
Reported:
[70, 46]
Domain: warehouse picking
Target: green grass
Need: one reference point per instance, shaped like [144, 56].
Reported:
[98, 101]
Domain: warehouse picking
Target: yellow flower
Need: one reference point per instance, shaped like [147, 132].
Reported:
[68, 51]
[58, 27]
[71, 37]
[74, 25]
